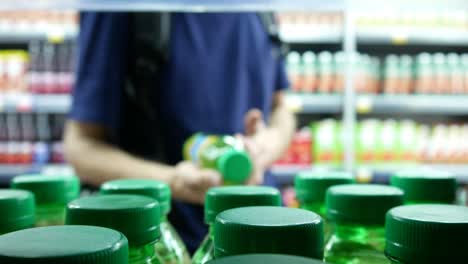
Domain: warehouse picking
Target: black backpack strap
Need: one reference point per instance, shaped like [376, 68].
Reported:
[149, 43]
[271, 26]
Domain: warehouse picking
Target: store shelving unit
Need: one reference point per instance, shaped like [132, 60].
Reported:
[25, 103]
[175, 5]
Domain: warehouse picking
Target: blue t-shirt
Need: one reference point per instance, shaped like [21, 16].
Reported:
[220, 66]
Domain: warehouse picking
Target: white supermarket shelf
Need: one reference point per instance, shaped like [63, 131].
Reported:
[7, 172]
[382, 173]
[29, 103]
[13, 37]
[381, 104]
[372, 173]
[175, 5]
[412, 36]
[413, 104]
[371, 35]
[314, 103]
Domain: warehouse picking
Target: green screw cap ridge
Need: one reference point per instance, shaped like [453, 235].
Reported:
[361, 204]
[426, 186]
[429, 233]
[17, 210]
[235, 166]
[157, 190]
[137, 217]
[219, 199]
[64, 244]
[311, 186]
[59, 189]
[264, 258]
[268, 229]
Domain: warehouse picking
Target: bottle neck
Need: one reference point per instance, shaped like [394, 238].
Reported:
[211, 231]
[369, 235]
[163, 218]
[142, 255]
[316, 207]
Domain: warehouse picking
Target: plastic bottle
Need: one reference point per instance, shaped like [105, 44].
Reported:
[136, 216]
[52, 193]
[219, 199]
[358, 214]
[426, 186]
[223, 153]
[17, 210]
[427, 234]
[311, 187]
[268, 229]
[265, 258]
[295, 71]
[64, 244]
[170, 249]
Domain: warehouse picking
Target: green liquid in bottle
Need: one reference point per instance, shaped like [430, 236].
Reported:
[356, 245]
[170, 249]
[50, 215]
[143, 255]
[205, 252]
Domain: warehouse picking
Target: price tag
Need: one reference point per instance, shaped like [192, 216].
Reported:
[55, 35]
[400, 39]
[364, 175]
[364, 104]
[294, 103]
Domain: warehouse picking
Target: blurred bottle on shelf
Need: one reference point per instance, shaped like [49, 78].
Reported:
[27, 138]
[422, 74]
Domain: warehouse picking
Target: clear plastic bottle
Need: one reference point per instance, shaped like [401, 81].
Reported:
[311, 186]
[52, 193]
[220, 152]
[265, 258]
[426, 186]
[170, 248]
[357, 212]
[17, 210]
[219, 199]
[136, 216]
[64, 244]
[427, 234]
[270, 230]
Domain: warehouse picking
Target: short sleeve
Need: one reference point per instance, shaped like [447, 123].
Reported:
[101, 68]
[282, 81]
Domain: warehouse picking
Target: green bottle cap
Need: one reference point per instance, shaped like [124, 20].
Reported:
[157, 190]
[361, 204]
[64, 244]
[263, 259]
[268, 229]
[59, 189]
[235, 166]
[311, 186]
[17, 210]
[220, 199]
[426, 186]
[426, 234]
[137, 217]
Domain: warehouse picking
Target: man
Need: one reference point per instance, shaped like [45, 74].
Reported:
[222, 77]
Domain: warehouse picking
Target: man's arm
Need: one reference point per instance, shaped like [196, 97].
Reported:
[267, 143]
[97, 161]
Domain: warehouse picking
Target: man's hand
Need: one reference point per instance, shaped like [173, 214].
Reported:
[254, 125]
[190, 183]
